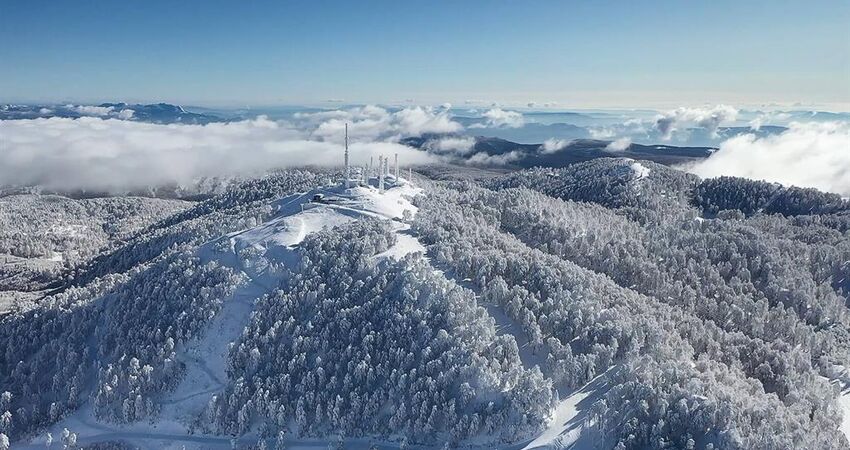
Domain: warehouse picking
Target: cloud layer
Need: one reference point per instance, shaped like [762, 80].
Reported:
[807, 155]
[708, 118]
[457, 145]
[499, 118]
[619, 145]
[117, 156]
[370, 123]
[554, 145]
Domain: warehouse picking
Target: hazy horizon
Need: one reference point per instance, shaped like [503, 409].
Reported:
[656, 54]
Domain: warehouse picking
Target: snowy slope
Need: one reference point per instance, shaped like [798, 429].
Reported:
[254, 252]
[844, 401]
[258, 253]
[571, 426]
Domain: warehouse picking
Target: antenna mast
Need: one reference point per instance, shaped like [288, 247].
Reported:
[347, 168]
[381, 162]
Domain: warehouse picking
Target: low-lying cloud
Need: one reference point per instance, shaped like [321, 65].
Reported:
[110, 155]
[371, 123]
[500, 118]
[707, 118]
[99, 111]
[619, 145]
[486, 159]
[553, 145]
[807, 155]
[460, 145]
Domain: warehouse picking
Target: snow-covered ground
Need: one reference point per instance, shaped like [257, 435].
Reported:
[844, 402]
[271, 243]
[571, 426]
[840, 378]
[254, 253]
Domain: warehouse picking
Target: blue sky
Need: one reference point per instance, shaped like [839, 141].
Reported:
[578, 54]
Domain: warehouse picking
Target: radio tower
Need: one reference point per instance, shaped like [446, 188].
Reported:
[347, 168]
[381, 174]
[396, 167]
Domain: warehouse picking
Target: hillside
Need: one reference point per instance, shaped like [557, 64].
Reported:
[42, 236]
[613, 303]
[493, 151]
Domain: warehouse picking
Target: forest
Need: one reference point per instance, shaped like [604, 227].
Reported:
[710, 314]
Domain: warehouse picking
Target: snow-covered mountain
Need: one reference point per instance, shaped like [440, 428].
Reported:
[613, 303]
[153, 113]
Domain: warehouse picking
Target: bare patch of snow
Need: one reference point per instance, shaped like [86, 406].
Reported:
[572, 426]
[844, 402]
[405, 245]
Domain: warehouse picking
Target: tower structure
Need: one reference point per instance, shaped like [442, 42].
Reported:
[381, 173]
[396, 167]
[347, 167]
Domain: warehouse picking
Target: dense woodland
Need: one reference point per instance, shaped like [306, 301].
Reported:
[41, 236]
[714, 313]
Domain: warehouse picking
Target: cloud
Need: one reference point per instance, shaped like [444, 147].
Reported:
[117, 156]
[455, 145]
[553, 145]
[88, 110]
[499, 118]
[371, 123]
[634, 128]
[602, 132]
[95, 111]
[619, 145]
[708, 118]
[807, 154]
[484, 159]
[769, 118]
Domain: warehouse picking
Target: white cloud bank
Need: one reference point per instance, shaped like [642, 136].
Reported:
[117, 156]
[708, 118]
[499, 118]
[619, 145]
[98, 111]
[460, 145]
[807, 155]
[553, 145]
[370, 123]
[482, 158]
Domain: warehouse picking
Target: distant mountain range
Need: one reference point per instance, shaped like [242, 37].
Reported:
[153, 113]
[495, 151]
